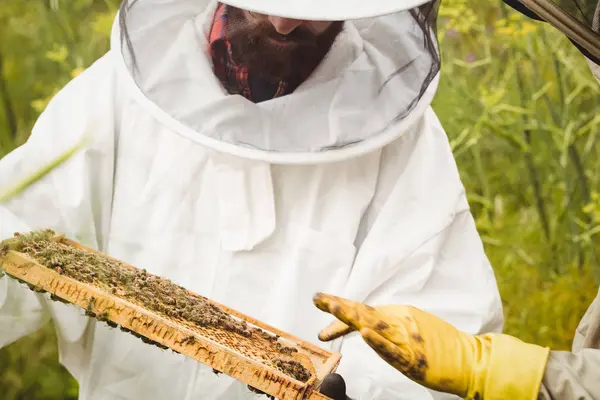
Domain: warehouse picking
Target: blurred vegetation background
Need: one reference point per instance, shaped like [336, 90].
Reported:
[518, 103]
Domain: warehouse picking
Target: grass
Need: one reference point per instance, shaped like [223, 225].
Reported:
[519, 105]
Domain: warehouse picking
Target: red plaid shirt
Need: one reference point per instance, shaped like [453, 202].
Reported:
[235, 77]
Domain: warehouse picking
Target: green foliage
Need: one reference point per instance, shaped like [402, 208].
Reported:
[29, 370]
[518, 103]
[44, 44]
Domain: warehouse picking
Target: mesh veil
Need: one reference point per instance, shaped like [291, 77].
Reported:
[377, 74]
[577, 19]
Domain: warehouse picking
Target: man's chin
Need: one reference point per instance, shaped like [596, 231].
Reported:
[270, 74]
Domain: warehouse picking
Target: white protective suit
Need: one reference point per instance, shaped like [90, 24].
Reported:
[383, 221]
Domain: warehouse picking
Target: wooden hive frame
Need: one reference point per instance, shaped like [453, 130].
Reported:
[155, 328]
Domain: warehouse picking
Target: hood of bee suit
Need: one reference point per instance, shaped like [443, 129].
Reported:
[377, 80]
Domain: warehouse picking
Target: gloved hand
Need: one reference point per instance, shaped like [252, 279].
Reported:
[436, 355]
[334, 387]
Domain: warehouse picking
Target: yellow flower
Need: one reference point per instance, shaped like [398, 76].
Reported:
[40, 104]
[506, 31]
[528, 27]
[59, 54]
[77, 71]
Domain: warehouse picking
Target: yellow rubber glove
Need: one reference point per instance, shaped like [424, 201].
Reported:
[436, 355]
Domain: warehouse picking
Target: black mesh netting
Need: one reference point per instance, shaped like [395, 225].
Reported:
[578, 19]
[374, 77]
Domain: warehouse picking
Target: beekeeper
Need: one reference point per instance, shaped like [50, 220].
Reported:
[255, 152]
[492, 366]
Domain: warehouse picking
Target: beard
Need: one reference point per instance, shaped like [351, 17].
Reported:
[254, 45]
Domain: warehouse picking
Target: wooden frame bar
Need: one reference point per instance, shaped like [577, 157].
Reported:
[184, 339]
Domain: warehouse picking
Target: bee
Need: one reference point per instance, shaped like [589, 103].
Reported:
[88, 311]
[103, 317]
[188, 340]
[112, 324]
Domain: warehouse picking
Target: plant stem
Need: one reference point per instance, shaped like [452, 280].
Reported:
[9, 110]
[537, 188]
[39, 174]
[530, 162]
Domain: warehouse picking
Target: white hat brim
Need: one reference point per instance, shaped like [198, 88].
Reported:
[326, 10]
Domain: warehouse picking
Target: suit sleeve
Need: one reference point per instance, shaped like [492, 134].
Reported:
[421, 248]
[572, 376]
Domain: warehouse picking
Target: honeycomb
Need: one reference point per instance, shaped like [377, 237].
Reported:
[164, 314]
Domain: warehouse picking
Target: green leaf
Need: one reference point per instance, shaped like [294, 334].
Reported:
[21, 186]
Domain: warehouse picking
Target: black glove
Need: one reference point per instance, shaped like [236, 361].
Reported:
[334, 387]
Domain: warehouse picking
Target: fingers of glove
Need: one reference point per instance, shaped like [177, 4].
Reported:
[410, 362]
[355, 315]
[396, 326]
[335, 330]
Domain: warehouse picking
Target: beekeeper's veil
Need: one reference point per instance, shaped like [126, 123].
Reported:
[380, 73]
[579, 20]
